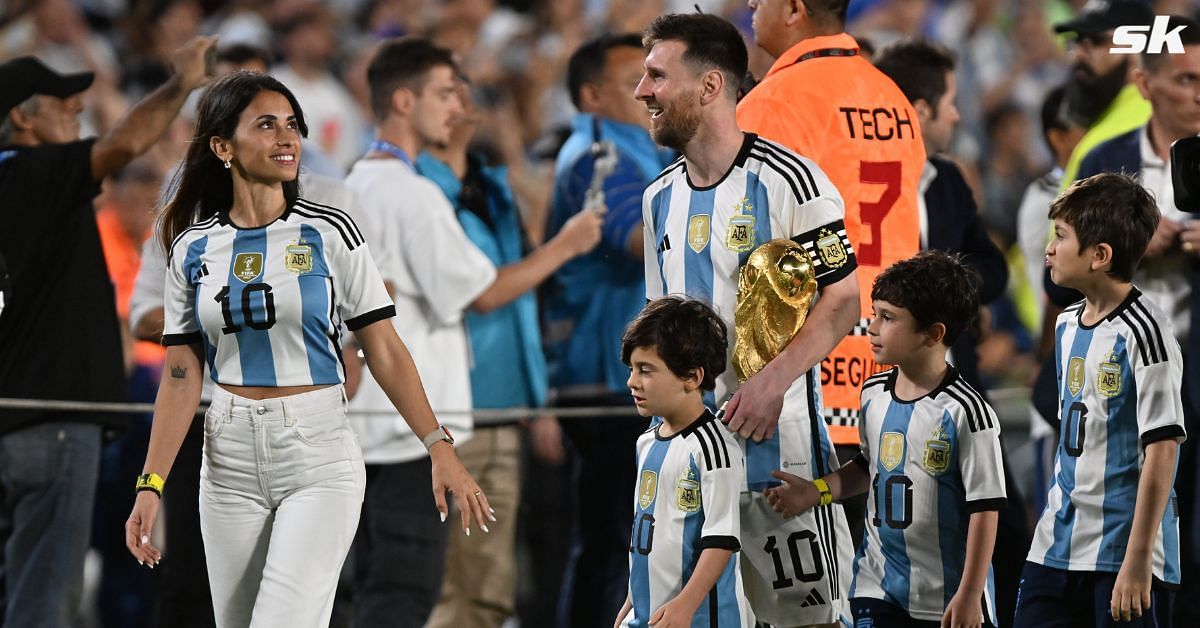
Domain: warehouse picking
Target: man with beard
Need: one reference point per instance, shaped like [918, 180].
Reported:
[1100, 95]
[729, 193]
[866, 136]
[1171, 83]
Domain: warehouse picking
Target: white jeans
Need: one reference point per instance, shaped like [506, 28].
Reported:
[281, 489]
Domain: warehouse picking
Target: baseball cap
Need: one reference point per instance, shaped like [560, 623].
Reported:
[24, 77]
[1098, 16]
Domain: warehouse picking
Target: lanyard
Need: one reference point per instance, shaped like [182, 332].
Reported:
[826, 52]
[384, 146]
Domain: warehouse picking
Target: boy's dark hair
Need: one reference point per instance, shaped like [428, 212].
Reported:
[1190, 36]
[589, 60]
[403, 62]
[1113, 209]
[918, 67]
[937, 287]
[687, 334]
[711, 43]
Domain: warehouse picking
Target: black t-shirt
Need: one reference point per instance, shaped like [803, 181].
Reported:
[60, 335]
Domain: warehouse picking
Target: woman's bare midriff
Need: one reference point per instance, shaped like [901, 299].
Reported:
[270, 392]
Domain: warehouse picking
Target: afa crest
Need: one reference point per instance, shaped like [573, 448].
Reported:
[1075, 375]
[297, 258]
[247, 266]
[687, 492]
[699, 231]
[647, 489]
[936, 458]
[831, 249]
[1108, 381]
[891, 450]
[739, 238]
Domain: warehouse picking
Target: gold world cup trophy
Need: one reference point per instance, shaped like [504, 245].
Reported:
[776, 287]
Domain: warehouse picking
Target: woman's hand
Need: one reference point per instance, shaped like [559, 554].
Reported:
[138, 527]
[449, 474]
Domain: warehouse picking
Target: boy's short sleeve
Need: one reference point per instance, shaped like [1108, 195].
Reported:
[1159, 386]
[722, 477]
[980, 464]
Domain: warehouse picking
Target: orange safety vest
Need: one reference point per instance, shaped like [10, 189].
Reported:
[824, 101]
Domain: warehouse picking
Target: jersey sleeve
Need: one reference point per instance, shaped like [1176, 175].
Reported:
[449, 269]
[180, 326]
[148, 288]
[361, 296]
[721, 480]
[654, 282]
[816, 220]
[1158, 385]
[980, 464]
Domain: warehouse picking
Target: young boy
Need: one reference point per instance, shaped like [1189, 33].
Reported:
[930, 456]
[1106, 548]
[683, 571]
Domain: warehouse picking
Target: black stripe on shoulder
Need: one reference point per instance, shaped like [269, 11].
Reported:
[1076, 306]
[1138, 330]
[791, 157]
[1162, 433]
[976, 399]
[200, 226]
[787, 172]
[678, 163]
[957, 395]
[708, 457]
[334, 215]
[719, 461]
[717, 429]
[351, 241]
[1157, 335]
[878, 379]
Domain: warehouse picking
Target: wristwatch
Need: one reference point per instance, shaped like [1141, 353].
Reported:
[436, 436]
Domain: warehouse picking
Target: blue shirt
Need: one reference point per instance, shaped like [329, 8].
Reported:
[592, 298]
[508, 369]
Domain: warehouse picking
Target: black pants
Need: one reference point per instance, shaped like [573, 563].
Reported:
[400, 548]
[597, 577]
[184, 599]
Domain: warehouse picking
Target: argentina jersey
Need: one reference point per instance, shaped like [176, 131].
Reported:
[696, 241]
[933, 462]
[268, 302]
[686, 500]
[1119, 384]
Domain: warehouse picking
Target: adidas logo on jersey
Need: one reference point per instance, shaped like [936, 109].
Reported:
[814, 599]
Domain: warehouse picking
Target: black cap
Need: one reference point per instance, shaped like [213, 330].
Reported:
[24, 77]
[1099, 16]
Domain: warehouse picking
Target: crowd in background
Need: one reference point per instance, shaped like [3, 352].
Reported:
[514, 55]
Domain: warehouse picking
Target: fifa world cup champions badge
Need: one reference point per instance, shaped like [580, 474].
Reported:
[247, 266]
[647, 489]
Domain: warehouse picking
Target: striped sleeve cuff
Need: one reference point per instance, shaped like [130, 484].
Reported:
[984, 505]
[1162, 433]
[190, 338]
[721, 542]
[362, 320]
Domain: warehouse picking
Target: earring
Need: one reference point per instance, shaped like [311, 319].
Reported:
[228, 164]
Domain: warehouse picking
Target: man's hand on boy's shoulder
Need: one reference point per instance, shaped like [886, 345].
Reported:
[753, 411]
[794, 496]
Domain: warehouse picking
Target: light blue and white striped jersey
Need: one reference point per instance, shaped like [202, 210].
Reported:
[933, 462]
[268, 302]
[1119, 389]
[696, 241]
[686, 500]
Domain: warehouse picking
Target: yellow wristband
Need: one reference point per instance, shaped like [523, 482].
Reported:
[150, 482]
[823, 489]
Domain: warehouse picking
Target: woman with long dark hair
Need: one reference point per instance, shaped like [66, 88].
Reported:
[259, 284]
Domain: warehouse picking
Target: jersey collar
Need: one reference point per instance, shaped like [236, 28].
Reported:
[793, 54]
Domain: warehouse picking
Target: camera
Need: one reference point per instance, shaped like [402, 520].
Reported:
[1185, 173]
